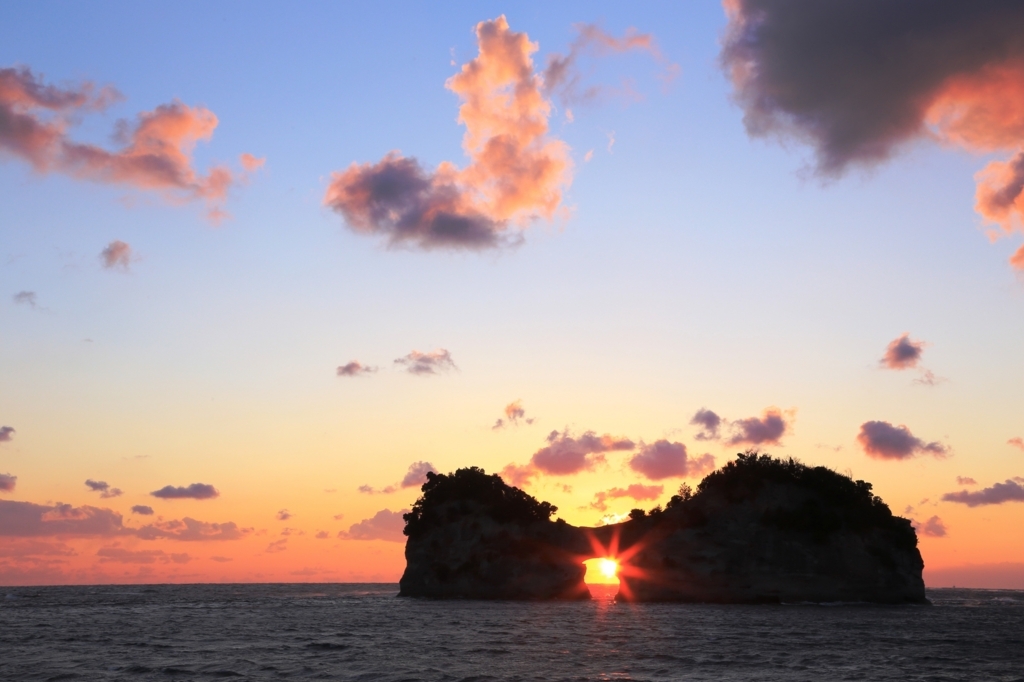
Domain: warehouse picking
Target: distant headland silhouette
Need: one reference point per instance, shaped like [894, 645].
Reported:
[758, 530]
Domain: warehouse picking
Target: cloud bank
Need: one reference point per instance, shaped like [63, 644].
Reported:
[860, 80]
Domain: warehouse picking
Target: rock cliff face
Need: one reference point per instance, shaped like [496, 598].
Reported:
[758, 530]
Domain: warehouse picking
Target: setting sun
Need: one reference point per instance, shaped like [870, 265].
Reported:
[602, 571]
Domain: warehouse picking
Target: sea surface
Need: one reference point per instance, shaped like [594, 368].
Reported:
[364, 632]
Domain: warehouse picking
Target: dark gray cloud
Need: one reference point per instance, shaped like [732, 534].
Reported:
[709, 423]
[902, 353]
[142, 510]
[384, 525]
[882, 440]
[6, 434]
[764, 430]
[408, 206]
[425, 364]
[355, 369]
[195, 491]
[665, 459]
[103, 488]
[7, 483]
[998, 493]
[858, 79]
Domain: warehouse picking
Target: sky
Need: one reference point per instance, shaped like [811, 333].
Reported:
[263, 267]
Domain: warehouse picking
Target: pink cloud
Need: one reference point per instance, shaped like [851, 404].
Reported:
[116, 255]
[765, 430]
[514, 412]
[562, 75]
[998, 493]
[7, 483]
[6, 434]
[1016, 442]
[882, 440]
[636, 491]
[142, 510]
[251, 163]
[434, 362]
[965, 480]
[565, 454]
[157, 151]
[384, 525]
[902, 353]
[665, 459]
[355, 369]
[517, 171]
[933, 527]
[283, 515]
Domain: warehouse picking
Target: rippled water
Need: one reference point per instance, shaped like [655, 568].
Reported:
[363, 632]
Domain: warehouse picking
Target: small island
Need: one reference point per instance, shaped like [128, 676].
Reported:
[758, 530]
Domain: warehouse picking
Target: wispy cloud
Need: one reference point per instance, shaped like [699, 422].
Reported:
[103, 488]
[145, 556]
[8, 483]
[6, 434]
[933, 527]
[192, 530]
[283, 515]
[142, 510]
[635, 491]
[28, 298]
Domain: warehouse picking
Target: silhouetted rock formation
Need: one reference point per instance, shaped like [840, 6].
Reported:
[758, 530]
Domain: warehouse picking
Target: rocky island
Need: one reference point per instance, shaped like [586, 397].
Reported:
[758, 530]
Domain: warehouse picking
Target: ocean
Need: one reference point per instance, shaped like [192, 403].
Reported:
[364, 632]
